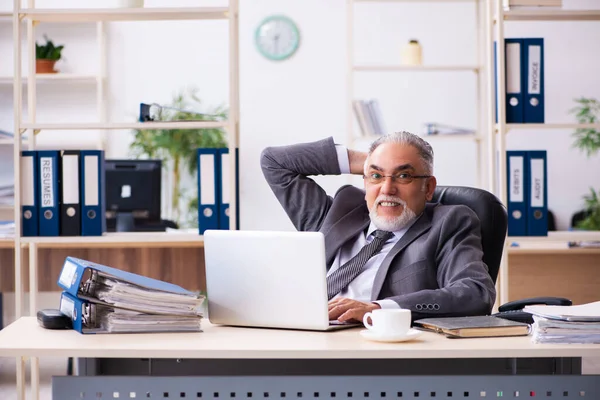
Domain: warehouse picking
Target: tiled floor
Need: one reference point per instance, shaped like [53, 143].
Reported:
[58, 366]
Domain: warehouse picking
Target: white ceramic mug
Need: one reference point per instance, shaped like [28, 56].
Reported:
[388, 321]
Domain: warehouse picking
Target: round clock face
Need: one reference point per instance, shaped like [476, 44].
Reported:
[277, 37]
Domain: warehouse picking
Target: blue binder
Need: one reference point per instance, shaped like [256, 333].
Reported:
[48, 195]
[209, 191]
[533, 80]
[537, 209]
[29, 193]
[76, 309]
[93, 193]
[226, 189]
[72, 281]
[516, 180]
[513, 64]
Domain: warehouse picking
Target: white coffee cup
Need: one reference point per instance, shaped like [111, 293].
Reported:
[388, 322]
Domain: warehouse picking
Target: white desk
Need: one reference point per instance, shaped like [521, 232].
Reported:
[24, 338]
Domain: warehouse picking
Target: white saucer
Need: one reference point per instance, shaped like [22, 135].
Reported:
[370, 335]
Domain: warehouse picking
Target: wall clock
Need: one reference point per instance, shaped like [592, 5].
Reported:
[277, 37]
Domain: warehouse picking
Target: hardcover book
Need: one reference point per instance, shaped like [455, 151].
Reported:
[471, 327]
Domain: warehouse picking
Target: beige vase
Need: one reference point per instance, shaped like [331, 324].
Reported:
[43, 66]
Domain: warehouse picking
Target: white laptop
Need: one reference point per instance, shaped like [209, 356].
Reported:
[267, 279]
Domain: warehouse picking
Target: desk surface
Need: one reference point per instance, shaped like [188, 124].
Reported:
[24, 337]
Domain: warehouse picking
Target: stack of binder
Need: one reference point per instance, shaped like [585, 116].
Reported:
[524, 66]
[527, 188]
[101, 299]
[63, 193]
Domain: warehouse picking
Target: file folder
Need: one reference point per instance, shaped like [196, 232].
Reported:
[516, 180]
[49, 198]
[537, 211]
[208, 189]
[70, 207]
[533, 76]
[93, 199]
[514, 81]
[92, 318]
[91, 281]
[225, 167]
[29, 193]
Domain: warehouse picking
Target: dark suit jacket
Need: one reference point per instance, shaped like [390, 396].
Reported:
[435, 269]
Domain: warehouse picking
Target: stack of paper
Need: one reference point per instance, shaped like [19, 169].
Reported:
[7, 194]
[7, 229]
[566, 324]
[102, 299]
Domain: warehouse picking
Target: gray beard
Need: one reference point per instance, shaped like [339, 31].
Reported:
[392, 224]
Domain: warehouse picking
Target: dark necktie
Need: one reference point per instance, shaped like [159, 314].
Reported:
[340, 278]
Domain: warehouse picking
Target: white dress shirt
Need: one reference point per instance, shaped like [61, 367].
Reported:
[360, 288]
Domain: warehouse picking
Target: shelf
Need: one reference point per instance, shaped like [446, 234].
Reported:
[449, 136]
[123, 14]
[548, 251]
[414, 1]
[552, 15]
[52, 78]
[551, 126]
[6, 142]
[557, 236]
[125, 125]
[133, 239]
[422, 68]
[6, 243]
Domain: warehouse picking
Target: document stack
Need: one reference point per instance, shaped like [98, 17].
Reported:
[101, 299]
[566, 324]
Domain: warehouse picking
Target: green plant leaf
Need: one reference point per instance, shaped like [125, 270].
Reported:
[177, 147]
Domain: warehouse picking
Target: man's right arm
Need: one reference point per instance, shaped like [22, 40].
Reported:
[286, 170]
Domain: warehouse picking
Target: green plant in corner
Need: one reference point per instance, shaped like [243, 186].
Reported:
[587, 140]
[48, 51]
[177, 147]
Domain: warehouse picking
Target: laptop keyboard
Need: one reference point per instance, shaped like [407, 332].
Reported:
[336, 322]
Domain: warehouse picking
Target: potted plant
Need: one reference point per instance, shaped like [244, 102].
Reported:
[587, 140]
[46, 56]
[177, 148]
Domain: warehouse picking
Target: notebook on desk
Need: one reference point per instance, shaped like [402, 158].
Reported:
[472, 327]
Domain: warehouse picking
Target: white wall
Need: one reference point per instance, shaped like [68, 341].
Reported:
[303, 99]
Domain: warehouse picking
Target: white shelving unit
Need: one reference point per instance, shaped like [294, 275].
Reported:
[480, 137]
[555, 242]
[31, 16]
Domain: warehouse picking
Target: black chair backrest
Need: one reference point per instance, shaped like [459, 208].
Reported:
[491, 213]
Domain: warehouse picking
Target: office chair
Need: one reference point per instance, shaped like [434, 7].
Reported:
[494, 222]
[490, 211]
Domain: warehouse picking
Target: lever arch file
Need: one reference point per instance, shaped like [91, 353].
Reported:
[49, 186]
[70, 207]
[29, 193]
[93, 188]
[208, 189]
[88, 317]
[100, 284]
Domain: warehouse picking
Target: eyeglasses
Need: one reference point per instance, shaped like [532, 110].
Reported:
[403, 178]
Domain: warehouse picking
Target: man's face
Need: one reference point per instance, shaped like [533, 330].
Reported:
[393, 203]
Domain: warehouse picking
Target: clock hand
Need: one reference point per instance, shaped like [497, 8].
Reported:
[276, 42]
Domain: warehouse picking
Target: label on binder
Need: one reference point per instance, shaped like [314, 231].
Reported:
[534, 69]
[68, 274]
[67, 306]
[47, 182]
[537, 184]
[516, 179]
